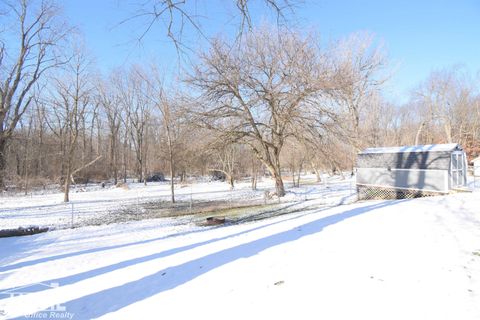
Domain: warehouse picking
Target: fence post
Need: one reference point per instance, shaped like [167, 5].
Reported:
[191, 199]
[71, 225]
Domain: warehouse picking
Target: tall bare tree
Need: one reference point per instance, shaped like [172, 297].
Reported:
[135, 93]
[25, 55]
[171, 115]
[224, 156]
[257, 93]
[109, 99]
[360, 65]
[71, 99]
[443, 100]
[168, 116]
[176, 18]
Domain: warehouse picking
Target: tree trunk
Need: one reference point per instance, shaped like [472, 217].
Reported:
[125, 162]
[419, 132]
[115, 174]
[276, 175]
[66, 186]
[280, 189]
[298, 175]
[172, 175]
[84, 141]
[27, 152]
[254, 174]
[170, 158]
[293, 177]
[99, 135]
[113, 158]
[3, 147]
[317, 172]
[140, 171]
[448, 132]
[145, 174]
[273, 166]
[231, 181]
[18, 164]
[145, 155]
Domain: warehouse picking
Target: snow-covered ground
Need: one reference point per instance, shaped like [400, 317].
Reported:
[94, 202]
[407, 259]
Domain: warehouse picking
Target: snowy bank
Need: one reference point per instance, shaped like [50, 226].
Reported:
[408, 259]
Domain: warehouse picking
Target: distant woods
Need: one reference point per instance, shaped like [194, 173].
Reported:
[277, 103]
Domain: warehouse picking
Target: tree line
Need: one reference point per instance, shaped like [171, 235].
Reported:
[273, 101]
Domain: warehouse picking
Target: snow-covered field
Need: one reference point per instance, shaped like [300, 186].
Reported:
[406, 259]
[94, 202]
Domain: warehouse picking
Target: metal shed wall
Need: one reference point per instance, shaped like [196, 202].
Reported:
[407, 160]
[426, 180]
[420, 169]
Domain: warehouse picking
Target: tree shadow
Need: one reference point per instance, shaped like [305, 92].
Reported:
[419, 162]
[96, 305]
[126, 263]
[22, 242]
[88, 251]
[21, 248]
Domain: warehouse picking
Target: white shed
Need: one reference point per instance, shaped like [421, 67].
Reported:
[410, 171]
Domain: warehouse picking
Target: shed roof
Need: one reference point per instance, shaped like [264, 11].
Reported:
[418, 148]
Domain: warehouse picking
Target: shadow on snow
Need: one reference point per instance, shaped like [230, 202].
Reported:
[94, 305]
[24, 241]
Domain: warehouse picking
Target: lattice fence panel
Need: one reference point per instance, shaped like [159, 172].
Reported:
[377, 193]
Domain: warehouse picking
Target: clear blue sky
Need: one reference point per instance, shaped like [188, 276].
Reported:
[420, 36]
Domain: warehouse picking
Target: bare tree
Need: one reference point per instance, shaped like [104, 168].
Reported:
[135, 93]
[255, 94]
[224, 159]
[444, 99]
[71, 99]
[23, 62]
[169, 114]
[179, 17]
[295, 156]
[331, 152]
[359, 64]
[27, 158]
[172, 118]
[109, 100]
